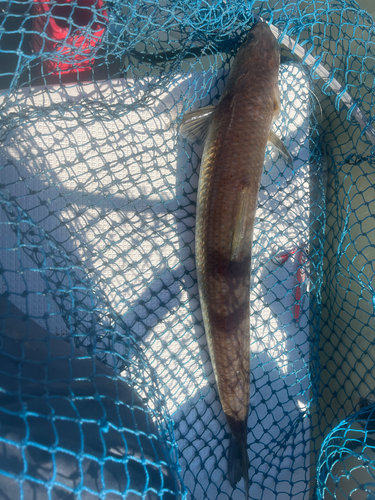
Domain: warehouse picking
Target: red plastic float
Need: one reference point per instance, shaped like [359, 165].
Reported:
[70, 31]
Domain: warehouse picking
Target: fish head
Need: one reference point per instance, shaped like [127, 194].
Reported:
[262, 43]
[257, 61]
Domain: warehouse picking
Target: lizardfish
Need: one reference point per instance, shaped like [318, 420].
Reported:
[236, 132]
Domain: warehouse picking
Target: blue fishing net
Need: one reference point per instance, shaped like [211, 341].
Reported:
[107, 390]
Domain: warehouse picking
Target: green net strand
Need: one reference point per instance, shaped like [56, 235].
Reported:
[71, 425]
[346, 457]
[346, 461]
[98, 280]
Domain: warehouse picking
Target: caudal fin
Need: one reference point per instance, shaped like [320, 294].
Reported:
[238, 464]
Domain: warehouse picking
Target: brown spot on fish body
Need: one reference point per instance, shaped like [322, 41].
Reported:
[234, 278]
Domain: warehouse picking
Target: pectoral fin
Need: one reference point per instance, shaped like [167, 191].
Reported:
[240, 221]
[195, 124]
[275, 141]
[276, 103]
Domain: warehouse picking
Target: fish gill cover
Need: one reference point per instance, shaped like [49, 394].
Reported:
[107, 389]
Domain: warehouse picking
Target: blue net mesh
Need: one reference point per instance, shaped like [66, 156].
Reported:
[107, 389]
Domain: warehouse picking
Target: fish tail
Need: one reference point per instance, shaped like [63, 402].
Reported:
[238, 463]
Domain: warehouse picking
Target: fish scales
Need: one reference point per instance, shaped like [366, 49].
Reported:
[238, 131]
[230, 174]
[231, 170]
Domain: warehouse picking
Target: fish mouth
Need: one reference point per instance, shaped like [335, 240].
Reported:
[257, 19]
[261, 37]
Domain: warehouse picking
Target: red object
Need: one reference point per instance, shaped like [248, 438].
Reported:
[298, 294]
[281, 258]
[69, 31]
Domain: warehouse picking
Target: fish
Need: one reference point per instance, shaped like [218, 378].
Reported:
[235, 133]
